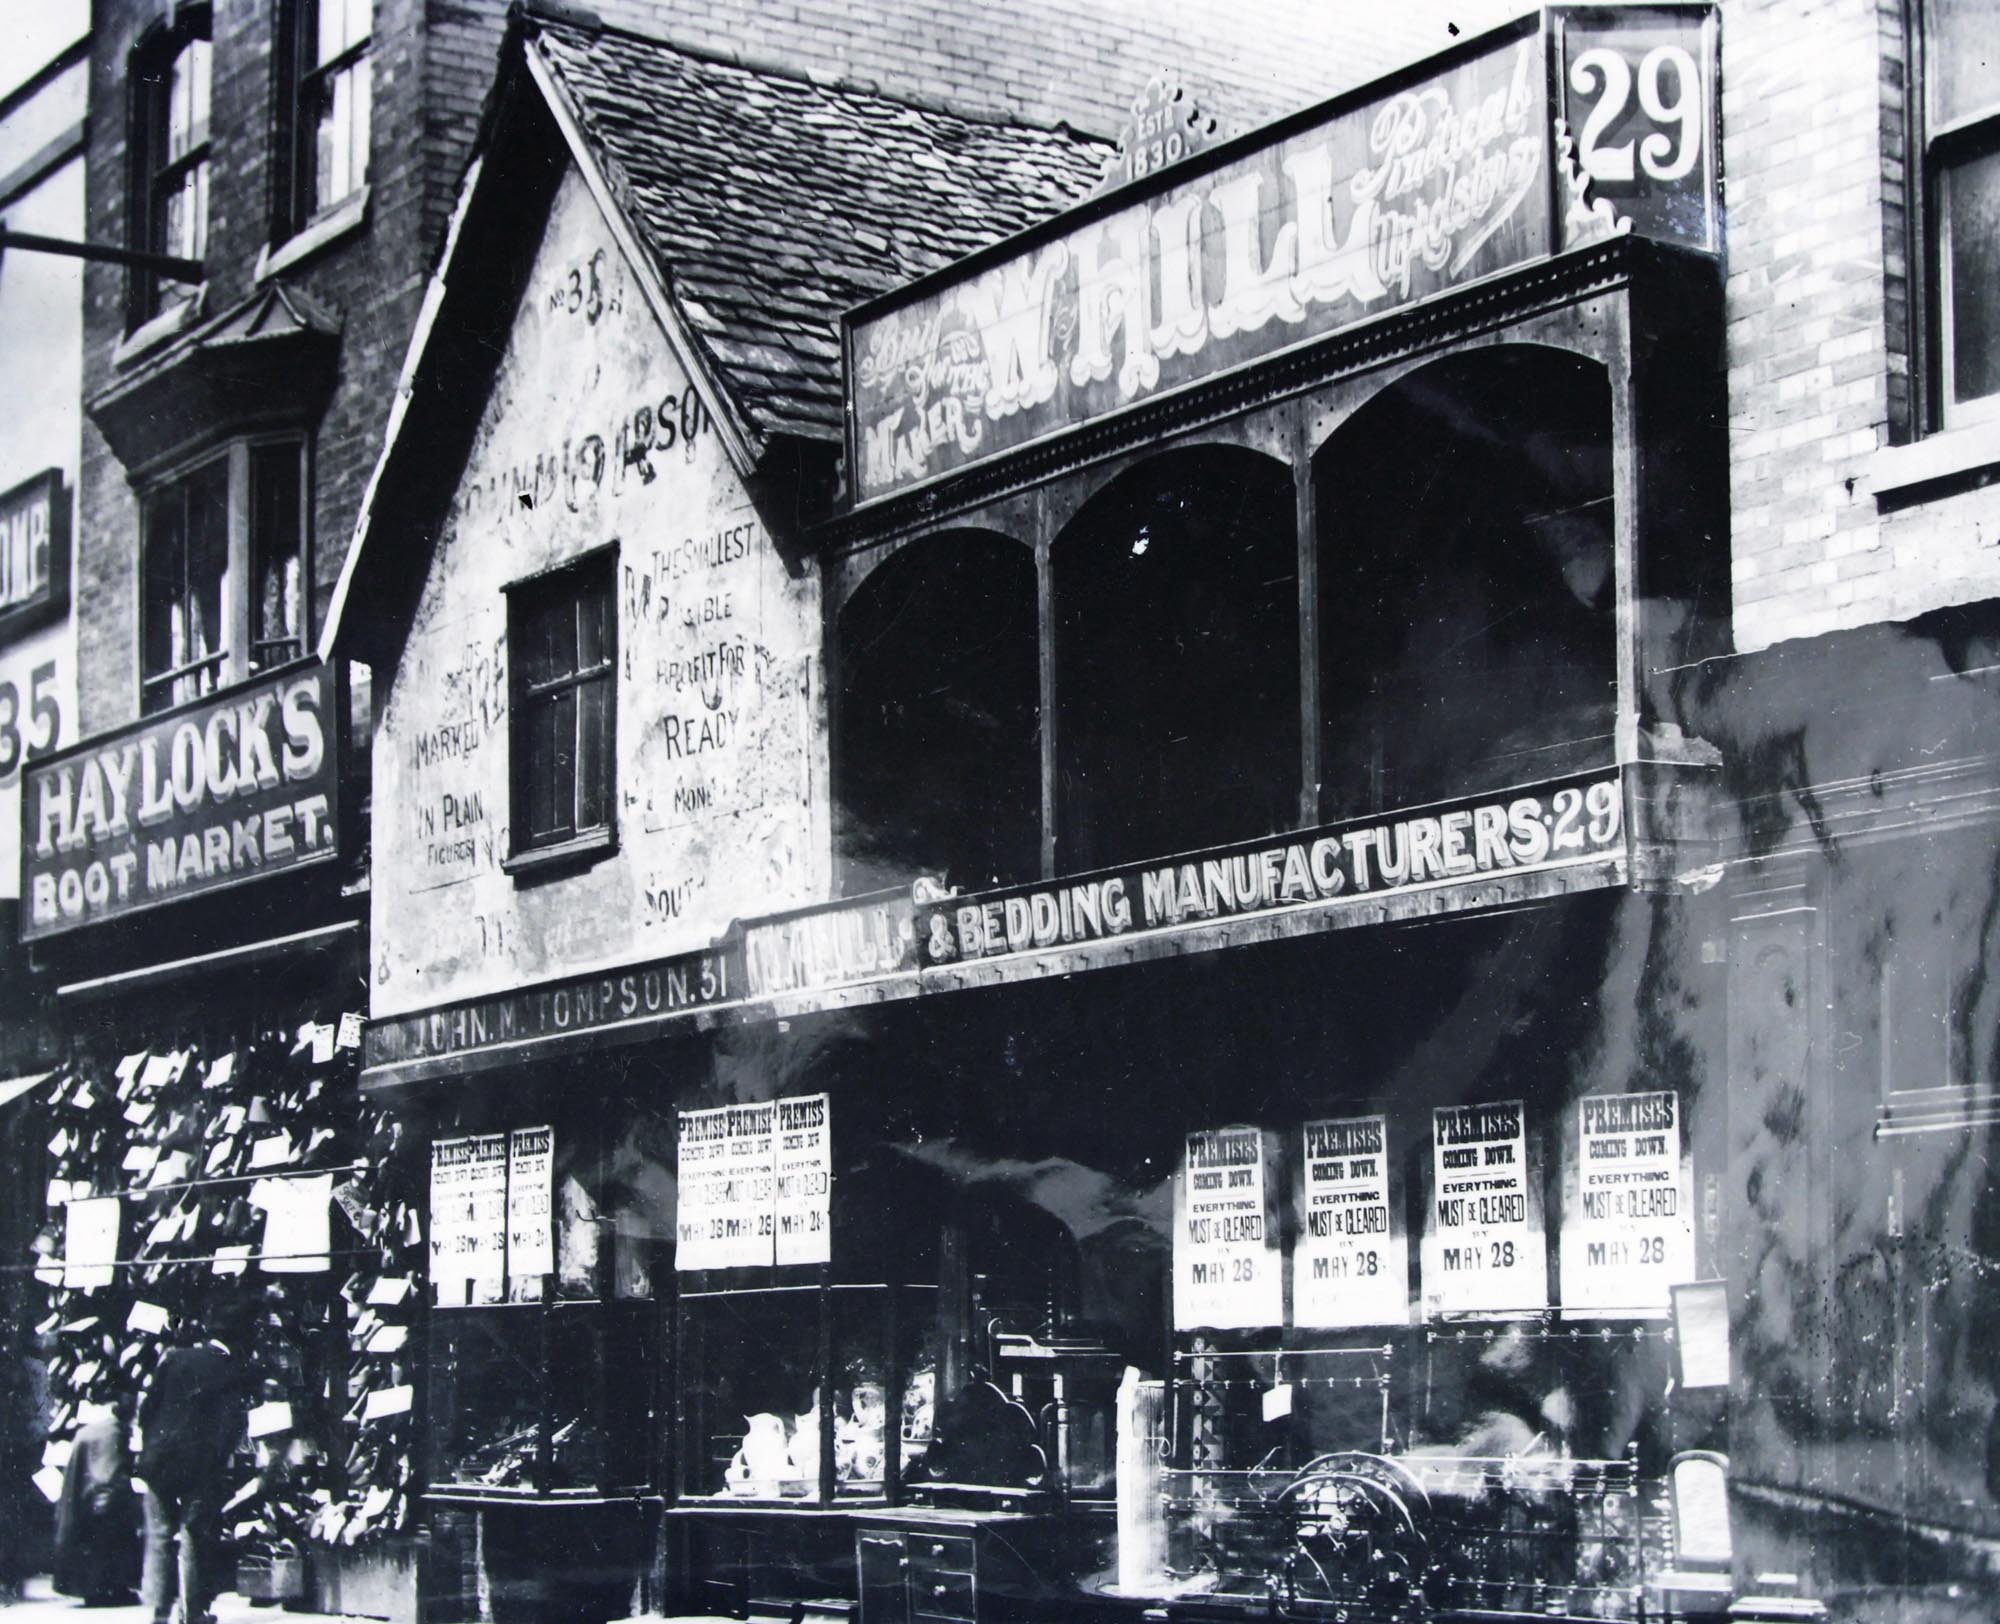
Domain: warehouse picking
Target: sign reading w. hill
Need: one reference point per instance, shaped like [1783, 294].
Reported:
[1372, 203]
[192, 802]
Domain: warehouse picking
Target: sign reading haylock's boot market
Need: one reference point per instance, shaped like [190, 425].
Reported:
[1454, 172]
[240, 788]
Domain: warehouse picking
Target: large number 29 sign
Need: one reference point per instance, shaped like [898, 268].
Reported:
[1670, 96]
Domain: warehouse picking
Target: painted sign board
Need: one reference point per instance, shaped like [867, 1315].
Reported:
[1483, 1248]
[240, 788]
[830, 947]
[1401, 191]
[34, 552]
[1628, 1207]
[1228, 1269]
[1351, 1262]
[1564, 822]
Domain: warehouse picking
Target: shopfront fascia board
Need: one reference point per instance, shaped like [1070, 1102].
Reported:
[702, 990]
[1509, 150]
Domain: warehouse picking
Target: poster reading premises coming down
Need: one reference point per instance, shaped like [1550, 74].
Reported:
[756, 1185]
[1227, 1271]
[1483, 1249]
[1628, 1225]
[1351, 1264]
[469, 1219]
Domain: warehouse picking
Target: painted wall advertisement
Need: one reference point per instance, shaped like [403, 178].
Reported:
[1228, 1270]
[1628, 1219]
[195, 802]
[531, 1247]
[755, 1185]
[1483, 1249]
[1351, 1262]
[469, 1220]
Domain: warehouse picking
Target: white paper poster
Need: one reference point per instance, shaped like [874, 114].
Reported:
[531, 1245]
[1227, 1273]
[1350, 1266]
[1628, 1209]
[468, 1219]
[90, 1243]
[805, 1180]
[1483, 1250]
[725, 1216]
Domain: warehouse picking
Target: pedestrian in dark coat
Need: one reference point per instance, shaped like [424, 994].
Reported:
[97, 1518]
[190, 1422]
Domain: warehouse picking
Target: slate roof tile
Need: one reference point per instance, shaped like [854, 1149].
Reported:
[771, 204]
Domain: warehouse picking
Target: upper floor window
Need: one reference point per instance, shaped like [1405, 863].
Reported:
[329, 93]
[562, 652]
[1962, 177]
[223, 579]
[170, 153]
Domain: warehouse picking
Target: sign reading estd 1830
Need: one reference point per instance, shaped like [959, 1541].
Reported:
[190, 803]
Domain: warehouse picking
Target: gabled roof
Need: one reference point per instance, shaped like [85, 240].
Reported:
[771, 203]
[757, 205]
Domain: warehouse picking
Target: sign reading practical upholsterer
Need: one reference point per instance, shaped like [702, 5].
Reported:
[1386, 197]
[194, 802]
[1483, 1250]
[1628, 1218]
[1228, 1273]
[1351, 1264]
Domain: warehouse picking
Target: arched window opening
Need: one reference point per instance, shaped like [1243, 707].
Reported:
[1177, 682]
[1467, 629]
[937, 725]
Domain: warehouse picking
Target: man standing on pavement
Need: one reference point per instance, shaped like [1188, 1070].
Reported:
[190, 1422]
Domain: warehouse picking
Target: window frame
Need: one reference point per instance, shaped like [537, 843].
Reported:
[526, 853]
[236, 660]
[154, 175]
[1942, 146]
[301, 82]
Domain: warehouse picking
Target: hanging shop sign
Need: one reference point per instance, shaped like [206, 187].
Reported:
[1561, 824]
[572, 1006]
[34, 553]
[469, 1219]
[1350, 1264]
[235, 790]
[1628, 1220]
[755, 1185]
[830, 947]
[1401, 191]
[1483, 1249]
[1228, 1271]
[531, 1247]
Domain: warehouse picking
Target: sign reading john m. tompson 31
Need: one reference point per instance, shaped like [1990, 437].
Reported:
[1557, 825]
[1383, 199]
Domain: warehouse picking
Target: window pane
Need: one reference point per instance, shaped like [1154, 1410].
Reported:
[562, 777]
[1971, 211]
[364, 95]
[187, 100]
[548, 646]
[165, 568]
[593, 626]
[538, 770]
[342, 23]
[341, 157]
[277, 596]
[207, 561]
[1964, 57]
[593, 752]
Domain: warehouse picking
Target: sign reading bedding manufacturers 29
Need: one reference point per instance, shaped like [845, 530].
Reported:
[177, 807]
[1377, 201]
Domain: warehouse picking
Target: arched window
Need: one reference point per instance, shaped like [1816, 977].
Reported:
[1176, 607]
[1466, 625]
[937, 717]
[169, 147]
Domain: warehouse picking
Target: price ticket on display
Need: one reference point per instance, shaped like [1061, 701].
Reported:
[1350, 1266]
[1227, 1272]
[725, 1218]
[1628, 1219]
[1483, 1250]
[805, 1180]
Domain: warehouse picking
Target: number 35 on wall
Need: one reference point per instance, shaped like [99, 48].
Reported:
[1638, 92]
[30, 725]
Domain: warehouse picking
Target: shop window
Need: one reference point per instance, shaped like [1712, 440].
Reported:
[937, 710]
[562, 650]
[326, 100]
[170, 156]
[1961, 150]
[1467, 625]
[224, 583]
[1176, 650]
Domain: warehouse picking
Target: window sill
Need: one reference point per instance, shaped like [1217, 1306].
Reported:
[323, 230]
[1954, 459]
[150, 335]
[580, 851]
